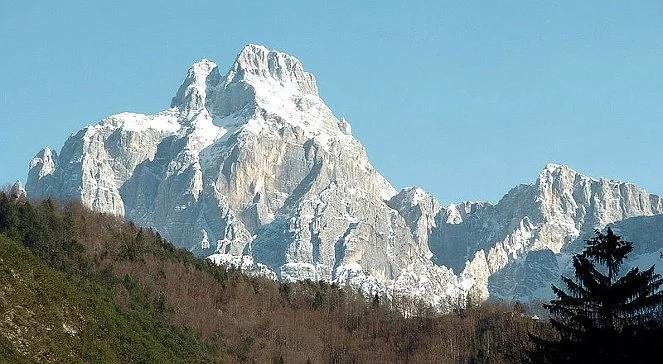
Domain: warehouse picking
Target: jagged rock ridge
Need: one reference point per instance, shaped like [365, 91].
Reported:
[559, 208]
[253, 163]
[247, 163]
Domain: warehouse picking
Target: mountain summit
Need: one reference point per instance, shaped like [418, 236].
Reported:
[250, 163]
[256, 64]
[250, 167]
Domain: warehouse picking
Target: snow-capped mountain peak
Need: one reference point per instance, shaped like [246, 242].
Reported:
[555, 167]
[258, 65]
[253, 163]
[17, 190]
[557, 173]
[44, 162]
[192, 94]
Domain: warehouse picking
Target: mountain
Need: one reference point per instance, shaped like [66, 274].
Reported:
[17, 190]
[530, 279]
[561, 207]
[251, 168]
[251, 162]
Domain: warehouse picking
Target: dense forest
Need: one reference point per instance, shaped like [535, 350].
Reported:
[80, 286]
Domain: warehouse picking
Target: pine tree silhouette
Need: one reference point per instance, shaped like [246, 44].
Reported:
[602, 316]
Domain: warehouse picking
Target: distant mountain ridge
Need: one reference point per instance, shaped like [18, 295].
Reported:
[253, 163]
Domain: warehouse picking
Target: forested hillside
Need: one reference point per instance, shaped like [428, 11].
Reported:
[80, 286]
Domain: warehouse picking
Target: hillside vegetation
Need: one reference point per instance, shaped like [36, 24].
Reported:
[79, 286]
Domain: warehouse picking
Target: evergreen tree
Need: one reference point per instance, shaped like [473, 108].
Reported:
[376, 301]
[603, 316]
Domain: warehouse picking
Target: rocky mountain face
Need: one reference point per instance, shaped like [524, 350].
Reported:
[530, 279]
[251, 168]
[17, 190]
[559, 208]
[253, 163]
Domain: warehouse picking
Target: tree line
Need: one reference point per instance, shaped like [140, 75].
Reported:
[233, 317]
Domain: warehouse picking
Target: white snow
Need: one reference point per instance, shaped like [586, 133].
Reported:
[268, 97]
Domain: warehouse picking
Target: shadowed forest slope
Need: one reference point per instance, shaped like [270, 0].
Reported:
[80, 286]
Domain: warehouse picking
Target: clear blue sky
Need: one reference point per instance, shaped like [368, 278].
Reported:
[465, 99]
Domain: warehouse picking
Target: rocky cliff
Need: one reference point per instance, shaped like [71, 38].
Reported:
[251, 168]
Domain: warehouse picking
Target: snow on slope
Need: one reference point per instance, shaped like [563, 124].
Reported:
[250, 163]
[251, 168]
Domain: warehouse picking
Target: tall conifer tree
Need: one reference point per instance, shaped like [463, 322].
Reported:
[603, 316]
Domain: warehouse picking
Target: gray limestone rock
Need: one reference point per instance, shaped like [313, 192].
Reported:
[252, 168]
